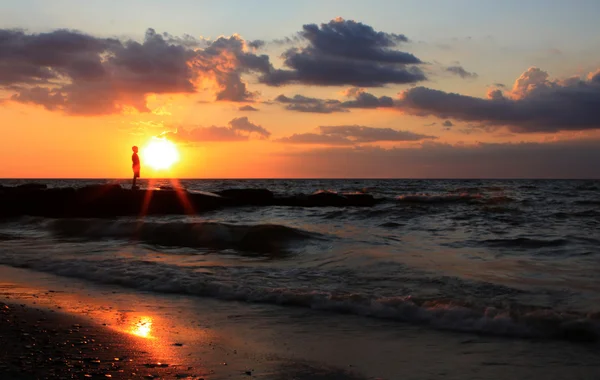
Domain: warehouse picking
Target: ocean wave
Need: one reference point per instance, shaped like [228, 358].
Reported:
[443, 198]
[268, 238]
[523, 242]
[580, 214]
[587, 187]
[497, 200]
[515, 321]
[589, 202]
[7, 236]
[477, 189]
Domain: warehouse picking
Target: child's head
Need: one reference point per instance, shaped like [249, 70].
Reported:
[134, 148]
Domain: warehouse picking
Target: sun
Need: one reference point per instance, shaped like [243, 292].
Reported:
[160, 154]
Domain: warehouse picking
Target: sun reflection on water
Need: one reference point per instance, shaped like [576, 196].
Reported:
[142, 327]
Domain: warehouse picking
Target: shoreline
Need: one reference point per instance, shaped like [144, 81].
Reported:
[44, 344]
[84, 331]
[225, 339]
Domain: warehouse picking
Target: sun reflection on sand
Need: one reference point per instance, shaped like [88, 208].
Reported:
[142, 327]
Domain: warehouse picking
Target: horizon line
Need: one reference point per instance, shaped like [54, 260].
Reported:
[294, 178]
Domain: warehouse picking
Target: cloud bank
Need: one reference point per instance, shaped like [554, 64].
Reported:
[352, 135]
[302, 103]
[83, 75]
[359, 99]
[566, 159]
[534, 104]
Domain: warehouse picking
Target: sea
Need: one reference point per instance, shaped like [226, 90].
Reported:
[514, 260]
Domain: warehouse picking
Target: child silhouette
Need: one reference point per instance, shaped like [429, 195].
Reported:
[136, 166]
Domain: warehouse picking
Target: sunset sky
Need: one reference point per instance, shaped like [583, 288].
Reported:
[262, 89]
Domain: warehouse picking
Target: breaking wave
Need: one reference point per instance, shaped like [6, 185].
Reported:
[258, 238]
[516, 321]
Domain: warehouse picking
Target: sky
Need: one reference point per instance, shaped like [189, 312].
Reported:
[311, 89]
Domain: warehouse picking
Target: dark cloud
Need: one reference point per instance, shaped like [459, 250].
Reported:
[302, 103]
[567, 159]
[248, 108]
[27, 59]
[239, 129]
[345, 52]
[351, 135]
[461, 72]
[186, 40]
[256, 44]
[360, 99]
[447, 123]
[535, 104]
[364, 99]
[81, 74]
[242, 124]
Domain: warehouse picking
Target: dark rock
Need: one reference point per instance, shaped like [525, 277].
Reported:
[32, 186]
[249, 196]
[111, 200]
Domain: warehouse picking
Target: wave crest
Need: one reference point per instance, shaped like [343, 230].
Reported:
[268, 238]
[513, 321]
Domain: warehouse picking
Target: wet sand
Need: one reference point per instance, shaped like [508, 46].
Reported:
[40, 344]
[44, 344]
[47, 334]
[203, 338]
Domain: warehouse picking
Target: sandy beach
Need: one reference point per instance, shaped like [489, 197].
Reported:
[56, 334]
[41, 343]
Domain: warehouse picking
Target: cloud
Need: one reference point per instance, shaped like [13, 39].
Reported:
[41, 58]
[360, 99]
[80, 74]
[244, 125]
[461, 72]
[351, 135]
[84, 75]
[248, 108]
[364, 99]
[563, 159]
[302, 103]
[447, 123]
[345, 52]
[225, 60]
[239, 129]
[256, 44]
[535, 104]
